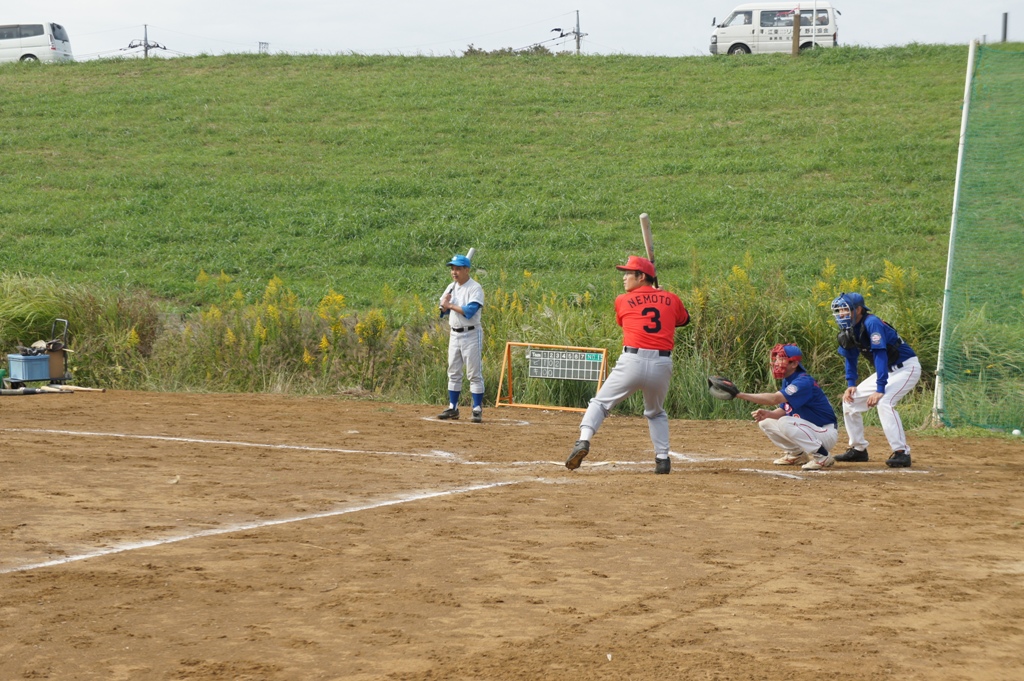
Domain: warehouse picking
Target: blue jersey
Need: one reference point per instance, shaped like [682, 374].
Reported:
[805, 399]
[880, 345]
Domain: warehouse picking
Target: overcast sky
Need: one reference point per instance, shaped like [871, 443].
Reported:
[100, 28]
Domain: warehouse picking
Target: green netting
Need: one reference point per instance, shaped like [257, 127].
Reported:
[983, 355]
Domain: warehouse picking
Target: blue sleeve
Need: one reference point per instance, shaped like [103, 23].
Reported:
[850, 357]
[469, 310]
[881, 358]
[879, 335]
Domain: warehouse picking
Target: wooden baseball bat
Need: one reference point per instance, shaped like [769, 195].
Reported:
[645, 231]
[82, 389]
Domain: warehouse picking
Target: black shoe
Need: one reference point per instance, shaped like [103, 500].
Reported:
[662, 466]
[851, 454]
[579, 452]
[478, 416]
[898, 459]
[452, 414]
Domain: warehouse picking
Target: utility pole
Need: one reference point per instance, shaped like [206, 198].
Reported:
[579, 36]
[1006, 18]
[145, 44]
[562, 34]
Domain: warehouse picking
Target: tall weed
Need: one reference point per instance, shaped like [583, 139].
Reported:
[270, 342]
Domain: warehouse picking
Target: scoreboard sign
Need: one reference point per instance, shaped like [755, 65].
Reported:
[564, 364]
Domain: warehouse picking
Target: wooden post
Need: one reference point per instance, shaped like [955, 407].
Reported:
[796, 31]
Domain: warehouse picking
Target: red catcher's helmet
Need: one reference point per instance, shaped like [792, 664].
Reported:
[782, 354]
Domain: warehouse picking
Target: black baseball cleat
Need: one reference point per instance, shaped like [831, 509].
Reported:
[447, 414]
[899, 459]
[662, 466]
[579, 452]
[478, 415]
[855, 455]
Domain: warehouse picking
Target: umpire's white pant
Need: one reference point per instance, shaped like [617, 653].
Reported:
[793, 434]
[646, 371]
[465, 350]
[901, 381]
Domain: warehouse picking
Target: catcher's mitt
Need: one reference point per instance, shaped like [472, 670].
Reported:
[722, 388]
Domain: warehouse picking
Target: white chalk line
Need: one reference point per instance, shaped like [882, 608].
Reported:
[503, 422]
[779, 474]
[233, 443]
[243, 527]
[433, 454]
[827, 471]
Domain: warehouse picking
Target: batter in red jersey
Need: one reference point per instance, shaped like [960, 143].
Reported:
[649, 318]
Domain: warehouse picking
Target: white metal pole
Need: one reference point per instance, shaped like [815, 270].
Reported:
[814, 24]
[939, 406]
[578, 33]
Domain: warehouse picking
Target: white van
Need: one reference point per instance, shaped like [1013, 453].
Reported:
[34, 42]
[764, 27]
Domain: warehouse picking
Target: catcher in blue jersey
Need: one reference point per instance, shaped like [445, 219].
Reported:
[897, 371]
[803, 425]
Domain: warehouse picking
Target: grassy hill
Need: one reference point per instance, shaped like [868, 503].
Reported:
[346, 171]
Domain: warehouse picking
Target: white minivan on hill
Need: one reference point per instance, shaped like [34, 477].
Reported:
[34, 42]
[764, 27]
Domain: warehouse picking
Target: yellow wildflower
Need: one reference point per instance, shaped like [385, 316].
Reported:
[371, 330]
[330, 306]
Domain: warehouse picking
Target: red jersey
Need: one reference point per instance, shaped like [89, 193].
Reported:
[649, 317]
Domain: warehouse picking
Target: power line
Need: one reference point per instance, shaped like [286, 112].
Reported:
[145, 44]
[564, 36]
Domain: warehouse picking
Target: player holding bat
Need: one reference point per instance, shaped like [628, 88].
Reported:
[461, 303]
[649, 318]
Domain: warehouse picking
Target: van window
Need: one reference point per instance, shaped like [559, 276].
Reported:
[29, 30]
[776, 18]
[806, 15]
[59, 33]
[738, 19]
[9, 33]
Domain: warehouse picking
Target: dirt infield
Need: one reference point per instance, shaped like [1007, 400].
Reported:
[161, 536]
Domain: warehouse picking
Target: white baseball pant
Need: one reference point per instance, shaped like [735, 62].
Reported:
[793, 434]
[647, 371]
[465, 350]
[901, 381]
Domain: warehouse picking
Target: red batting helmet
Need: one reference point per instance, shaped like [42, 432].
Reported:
[638, 264]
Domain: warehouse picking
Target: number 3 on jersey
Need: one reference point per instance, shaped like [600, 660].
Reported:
[655, 316]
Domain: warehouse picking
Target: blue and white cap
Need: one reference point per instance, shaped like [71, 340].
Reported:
[843, 307]
[459, 261]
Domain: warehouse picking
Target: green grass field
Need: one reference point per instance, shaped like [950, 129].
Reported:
[195, 217]
[345, 172]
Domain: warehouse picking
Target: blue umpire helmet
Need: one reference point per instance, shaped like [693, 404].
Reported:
[843, 307]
